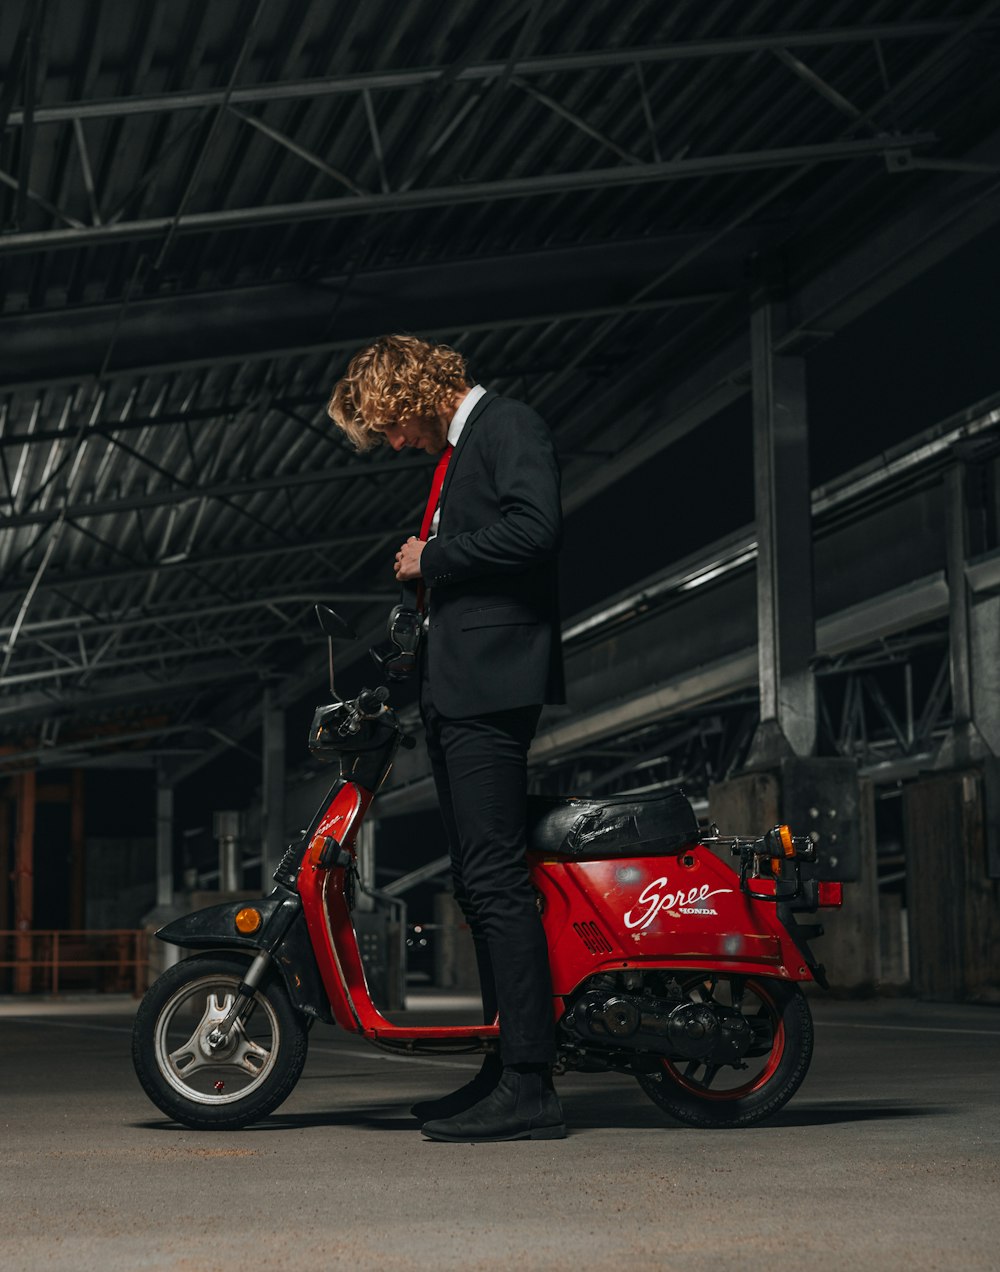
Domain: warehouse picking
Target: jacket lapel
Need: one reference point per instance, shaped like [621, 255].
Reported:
[474, 414]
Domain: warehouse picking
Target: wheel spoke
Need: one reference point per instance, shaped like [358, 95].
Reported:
[710, 1072]
[250, 1056]
[189, 1057]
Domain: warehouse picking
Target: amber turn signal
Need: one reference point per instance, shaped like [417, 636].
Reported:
[248, 920]
[785, 839]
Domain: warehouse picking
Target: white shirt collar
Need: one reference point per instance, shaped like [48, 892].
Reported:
[458, 420]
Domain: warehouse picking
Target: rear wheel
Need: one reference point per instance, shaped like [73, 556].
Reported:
[230, 1085]
[701, 1093]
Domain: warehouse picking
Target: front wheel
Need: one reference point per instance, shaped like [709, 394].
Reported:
[225, 1087]
[704, 1094]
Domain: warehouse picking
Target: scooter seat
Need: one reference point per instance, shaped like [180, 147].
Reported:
[622, 826]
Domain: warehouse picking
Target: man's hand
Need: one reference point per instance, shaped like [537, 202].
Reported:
[408, 559]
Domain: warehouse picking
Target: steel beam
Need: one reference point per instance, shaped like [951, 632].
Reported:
[785, 622]
[333, 86]
[221, 490]
[828, 302]
[95, 578]
[137, 687]
[87, 624]
[467, 192]
[239, 326]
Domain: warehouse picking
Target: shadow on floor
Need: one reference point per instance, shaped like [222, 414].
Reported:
[584, 1114]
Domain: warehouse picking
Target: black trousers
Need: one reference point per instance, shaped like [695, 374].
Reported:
[480, 771]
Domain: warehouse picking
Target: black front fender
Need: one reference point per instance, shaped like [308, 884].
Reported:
[282, 933]
[215, 927]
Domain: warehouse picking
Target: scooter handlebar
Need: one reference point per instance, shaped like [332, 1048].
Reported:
[370, 700]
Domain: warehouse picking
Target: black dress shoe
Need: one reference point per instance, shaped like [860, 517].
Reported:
[465, 1097]
[522, 1106]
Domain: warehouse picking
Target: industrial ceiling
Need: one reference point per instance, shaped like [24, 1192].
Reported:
[204, 208]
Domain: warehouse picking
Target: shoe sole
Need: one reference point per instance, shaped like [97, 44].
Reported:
[539, 1133]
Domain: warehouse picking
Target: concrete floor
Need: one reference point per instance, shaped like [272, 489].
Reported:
[887, 1158]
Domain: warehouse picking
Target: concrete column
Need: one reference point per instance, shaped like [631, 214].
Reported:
[965, 744]
[77, 852]
[821, 798]
[272, 822]
[164, 841]
[24, 877]
[4, 865]
[785, 620]
[228, 827]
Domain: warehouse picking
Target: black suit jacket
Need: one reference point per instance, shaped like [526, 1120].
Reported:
[494, 641]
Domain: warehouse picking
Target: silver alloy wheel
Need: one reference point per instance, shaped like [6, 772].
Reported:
[240, 1058]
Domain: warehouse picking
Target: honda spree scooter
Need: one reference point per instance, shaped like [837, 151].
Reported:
[667, 963]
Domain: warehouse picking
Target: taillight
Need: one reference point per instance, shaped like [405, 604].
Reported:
[830, 894]
[780, 841]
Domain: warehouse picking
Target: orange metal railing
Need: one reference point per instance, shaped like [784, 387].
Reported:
[44, 961]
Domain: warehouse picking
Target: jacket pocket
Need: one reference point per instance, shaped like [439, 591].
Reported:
[498, 616]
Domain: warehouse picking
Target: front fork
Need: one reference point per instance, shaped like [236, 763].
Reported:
[219, 1035]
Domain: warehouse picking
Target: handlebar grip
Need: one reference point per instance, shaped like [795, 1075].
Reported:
[370, 700]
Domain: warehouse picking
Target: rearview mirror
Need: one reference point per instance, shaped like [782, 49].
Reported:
[336, 629]
[333, 625]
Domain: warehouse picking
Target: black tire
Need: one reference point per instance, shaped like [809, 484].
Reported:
[261, 1063]
[782, 1021]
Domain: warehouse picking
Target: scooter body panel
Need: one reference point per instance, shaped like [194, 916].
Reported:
[331, 929]
[677, 911]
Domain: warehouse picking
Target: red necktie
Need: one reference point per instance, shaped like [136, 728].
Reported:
[435, 495]
[432, 502]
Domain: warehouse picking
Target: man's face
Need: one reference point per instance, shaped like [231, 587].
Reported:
[421, 432]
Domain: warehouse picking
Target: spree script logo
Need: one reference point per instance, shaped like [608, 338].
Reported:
[691, 901]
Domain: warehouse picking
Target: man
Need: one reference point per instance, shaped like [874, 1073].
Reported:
[485, 566]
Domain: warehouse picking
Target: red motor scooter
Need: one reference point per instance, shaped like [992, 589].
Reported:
[667, 963]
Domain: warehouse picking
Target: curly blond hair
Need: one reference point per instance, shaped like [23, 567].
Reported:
[395, 377]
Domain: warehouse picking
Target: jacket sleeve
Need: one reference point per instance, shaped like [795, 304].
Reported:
[526, 478]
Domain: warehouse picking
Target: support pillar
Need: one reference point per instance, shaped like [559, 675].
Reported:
[965, 744]
[5, 872]
[227, 825]
[950, 816]
[164, 841]
[77, 853]
[785, 620]
[824, 799]
[24, 879]
[272, 820]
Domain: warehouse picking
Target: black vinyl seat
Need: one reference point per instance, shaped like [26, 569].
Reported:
[621, 826]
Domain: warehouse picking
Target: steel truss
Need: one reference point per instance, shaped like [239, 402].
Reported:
[131, 495]
[887, 707]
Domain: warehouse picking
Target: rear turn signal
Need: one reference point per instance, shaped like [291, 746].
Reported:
[830, 894]
[247, 920]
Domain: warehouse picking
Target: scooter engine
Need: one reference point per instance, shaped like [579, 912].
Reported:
[685, 1030]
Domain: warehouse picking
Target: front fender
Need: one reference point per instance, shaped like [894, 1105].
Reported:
[215, 927]
[282, 933]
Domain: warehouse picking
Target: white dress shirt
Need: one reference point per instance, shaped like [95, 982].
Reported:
[458, 421]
